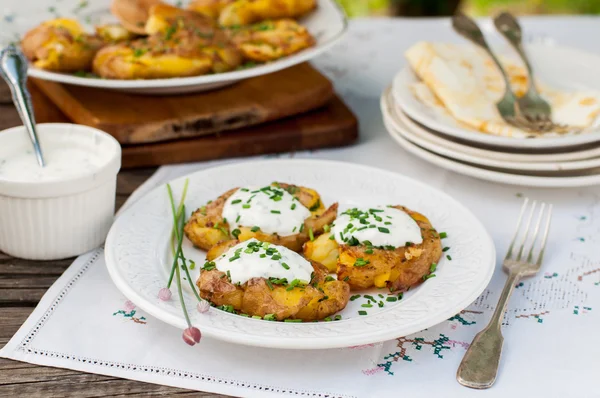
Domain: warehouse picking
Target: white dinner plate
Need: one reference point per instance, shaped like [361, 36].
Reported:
[559, 67]
[138, 257]
[416, 134]
[530, 179]
[327, 24]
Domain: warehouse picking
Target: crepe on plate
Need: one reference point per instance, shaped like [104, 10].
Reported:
[462, 81]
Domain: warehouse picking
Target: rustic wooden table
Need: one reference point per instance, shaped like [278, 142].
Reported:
[22, 284]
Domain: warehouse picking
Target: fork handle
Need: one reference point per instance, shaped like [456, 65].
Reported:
[467, 28]
[479, 366]
[509, 27]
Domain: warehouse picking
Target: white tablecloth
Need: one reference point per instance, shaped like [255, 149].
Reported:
[551, 326]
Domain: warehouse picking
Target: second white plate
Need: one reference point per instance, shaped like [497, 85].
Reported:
[584, 178]
[560, 67]
[418, 135]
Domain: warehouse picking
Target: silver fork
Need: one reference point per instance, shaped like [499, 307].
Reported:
[535, 114]
[479, 366]
[466, 27]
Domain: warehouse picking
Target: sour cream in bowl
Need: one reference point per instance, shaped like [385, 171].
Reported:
[65, 208]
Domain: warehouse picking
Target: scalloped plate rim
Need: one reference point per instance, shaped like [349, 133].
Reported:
[379, 333]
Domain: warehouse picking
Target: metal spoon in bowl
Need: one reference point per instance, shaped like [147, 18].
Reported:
[13, 69]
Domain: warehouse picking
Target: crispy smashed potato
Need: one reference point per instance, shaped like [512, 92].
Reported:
[182, 43]
[271, 40]
[245, 12]
[206, 226]
[322, 297]
[210, 8]
[397, 269]
[60, 45]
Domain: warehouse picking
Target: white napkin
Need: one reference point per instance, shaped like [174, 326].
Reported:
[551, 326]
[85, 323]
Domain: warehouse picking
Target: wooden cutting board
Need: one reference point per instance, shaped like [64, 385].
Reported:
[132, 118]
[329, 126]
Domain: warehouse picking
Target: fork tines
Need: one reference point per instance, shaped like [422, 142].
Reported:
[528, 238]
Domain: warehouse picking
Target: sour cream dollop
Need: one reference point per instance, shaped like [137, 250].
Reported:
[255, 259]
[381, 226]
[272, 209]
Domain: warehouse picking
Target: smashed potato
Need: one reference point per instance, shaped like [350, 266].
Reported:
[60, 45]
[182, 43]
[245, 12]
[206, 227]
[271, 40]
[273, 299]
[366, 266]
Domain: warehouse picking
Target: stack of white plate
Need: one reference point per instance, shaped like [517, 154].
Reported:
[559, 161]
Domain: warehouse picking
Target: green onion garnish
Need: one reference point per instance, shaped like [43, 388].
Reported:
[384, 230]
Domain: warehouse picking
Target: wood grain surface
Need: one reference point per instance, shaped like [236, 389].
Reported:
[134, 118]
[22, 284]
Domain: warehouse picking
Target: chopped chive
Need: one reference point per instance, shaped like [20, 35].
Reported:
[366, 305]
[329, 278]
[391, 299]
[301, 227]
[263, 255]
[337, 317]
[346, 279]
[384, 230]
[326, 297]
[400, 295]
[294, 230]
[269, 284]
[284, 265]
[292, 320]
[380, 304]
[256, 317]
[238, 218]
[235, 233]
[449, 257]
[326, 228]
[293, 206]
[369, 251]
[433, 267]
[443, 235]
[255, 229]
[244, 189]
[270, 317]
[311, 235]
[445, 249]
[369, 297]
[234, 258]
[361, 262]
[276, 257]
[425, 277]
[235, 202]
[275, 212]
[246, 206]
[354, 297]
[331, 237]
[362, 312]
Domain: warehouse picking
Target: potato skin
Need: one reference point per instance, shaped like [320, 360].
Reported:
[398, 269]
[244, 12]
[315, 301]
[60, 45]
[200, 228]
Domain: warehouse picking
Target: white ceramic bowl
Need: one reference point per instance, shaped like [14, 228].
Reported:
[64, 216]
